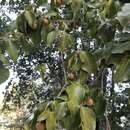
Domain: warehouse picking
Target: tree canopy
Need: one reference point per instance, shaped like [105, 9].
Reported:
[67, 56]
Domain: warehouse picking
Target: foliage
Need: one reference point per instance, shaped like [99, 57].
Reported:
[71, 47]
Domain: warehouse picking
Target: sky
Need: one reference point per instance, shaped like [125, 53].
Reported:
[2, 88]
[12, 16]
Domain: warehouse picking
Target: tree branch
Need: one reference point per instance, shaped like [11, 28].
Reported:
[65, 77]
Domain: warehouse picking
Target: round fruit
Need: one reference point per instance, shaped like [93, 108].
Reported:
[53, 1]
[45, 21]
[89, 102]
[41, 126]
[62, 2]
[71, 76]
[59, 2]
[34, 25]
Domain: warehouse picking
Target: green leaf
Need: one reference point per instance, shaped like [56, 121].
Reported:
[124, 37]
[4, 73]
[52, 36]
[21, 23]
[64, 40]
[73, 63]
[3, 59]
[70, 122]
[31, 19]
[124, 15]
[83, 56]
[126, 91]
[88, 119]
[106, 32]
[83, 75]
[41, 2]
[76, 92]
[76, 4]
[88, 62]
[20, 41]
[51, 121]
[51, 14]
[43, 116]
[120, 47]
[73, 107]
[12, 51]
[12, 26]
[99, 100]
[44, 34]
[129, 101]
[110, 9]
[114, 59]
[36, 35]
[42, 106]
[62, 98]
[100, 105]
[103, 53]
[122, 71]
[71, 114]
[61, 110]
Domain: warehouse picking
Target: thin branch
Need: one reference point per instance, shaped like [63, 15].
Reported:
[62, 90]
[108, 127]
[64, 71]
[65, 77]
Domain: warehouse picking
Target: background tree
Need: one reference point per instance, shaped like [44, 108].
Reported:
[68, 56]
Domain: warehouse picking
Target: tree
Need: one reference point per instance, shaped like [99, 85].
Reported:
[63, 56]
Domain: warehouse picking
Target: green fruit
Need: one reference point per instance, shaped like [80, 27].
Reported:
[45, 21]
[71, 76]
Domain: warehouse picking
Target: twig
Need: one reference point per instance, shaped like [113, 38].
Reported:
[64, 71]
[62, 89]
[108, 127]
[65, 77]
